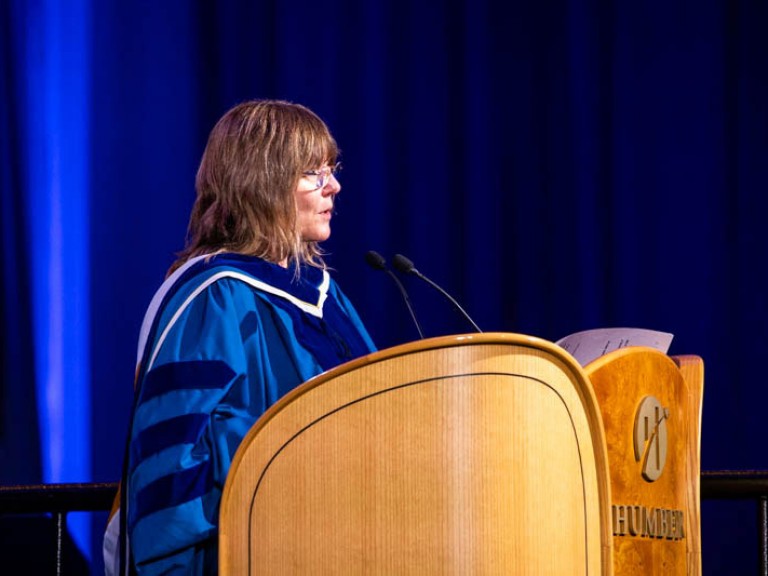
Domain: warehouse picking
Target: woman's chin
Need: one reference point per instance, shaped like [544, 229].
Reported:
[318, 235]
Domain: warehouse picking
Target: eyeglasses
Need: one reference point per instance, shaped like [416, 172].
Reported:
[323, 174]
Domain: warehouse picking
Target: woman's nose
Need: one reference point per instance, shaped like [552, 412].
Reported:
[332, 186]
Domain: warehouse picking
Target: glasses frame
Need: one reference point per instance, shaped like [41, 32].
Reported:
[323, 174]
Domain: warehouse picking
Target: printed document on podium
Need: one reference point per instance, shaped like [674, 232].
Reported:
[588, 345]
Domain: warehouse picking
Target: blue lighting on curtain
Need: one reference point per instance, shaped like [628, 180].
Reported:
[57, 176]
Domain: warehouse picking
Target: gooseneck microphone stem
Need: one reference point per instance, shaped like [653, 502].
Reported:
[404, 265]
[377, 262]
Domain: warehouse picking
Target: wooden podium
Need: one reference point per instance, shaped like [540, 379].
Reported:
[476, 454]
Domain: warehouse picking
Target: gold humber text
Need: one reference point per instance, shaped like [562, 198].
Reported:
[647, 522]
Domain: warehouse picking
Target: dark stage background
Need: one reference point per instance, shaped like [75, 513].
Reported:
[557, 166]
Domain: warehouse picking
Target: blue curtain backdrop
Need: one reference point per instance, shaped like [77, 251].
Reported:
[556, 165]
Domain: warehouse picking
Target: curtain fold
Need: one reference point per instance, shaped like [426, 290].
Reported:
[20, 460]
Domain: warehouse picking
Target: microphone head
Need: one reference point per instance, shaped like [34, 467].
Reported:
[375, 260]
[402, 264]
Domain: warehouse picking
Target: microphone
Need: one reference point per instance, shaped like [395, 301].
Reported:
[377, 262]
[402, 264]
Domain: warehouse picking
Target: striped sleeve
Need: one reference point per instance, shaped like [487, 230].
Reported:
[175, 473]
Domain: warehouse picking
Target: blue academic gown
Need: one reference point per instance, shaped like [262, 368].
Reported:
[231, 335]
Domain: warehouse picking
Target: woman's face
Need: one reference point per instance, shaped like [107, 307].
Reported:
[314, 205]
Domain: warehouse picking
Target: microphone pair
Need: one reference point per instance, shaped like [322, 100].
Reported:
[405, 266]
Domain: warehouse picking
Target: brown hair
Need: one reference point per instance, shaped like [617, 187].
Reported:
[247, 179]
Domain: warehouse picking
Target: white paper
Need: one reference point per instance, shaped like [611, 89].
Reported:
[588, 345]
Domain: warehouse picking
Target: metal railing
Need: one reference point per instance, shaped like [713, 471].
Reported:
[742, 485]
[60, 499]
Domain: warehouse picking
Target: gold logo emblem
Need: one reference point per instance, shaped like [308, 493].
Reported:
[651, 437]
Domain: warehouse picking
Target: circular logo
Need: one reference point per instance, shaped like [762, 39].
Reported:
[651, 437]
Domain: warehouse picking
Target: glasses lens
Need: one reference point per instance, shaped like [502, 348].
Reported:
[323, 176]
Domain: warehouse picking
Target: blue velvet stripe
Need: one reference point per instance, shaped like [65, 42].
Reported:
[174, 489]
[331, 340]
[192, 374]
[185, 429]
[167, 538]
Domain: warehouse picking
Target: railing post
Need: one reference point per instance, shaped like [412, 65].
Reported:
[762, 531]
[60, 526]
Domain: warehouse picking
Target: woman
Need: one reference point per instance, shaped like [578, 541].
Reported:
[248, 313]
